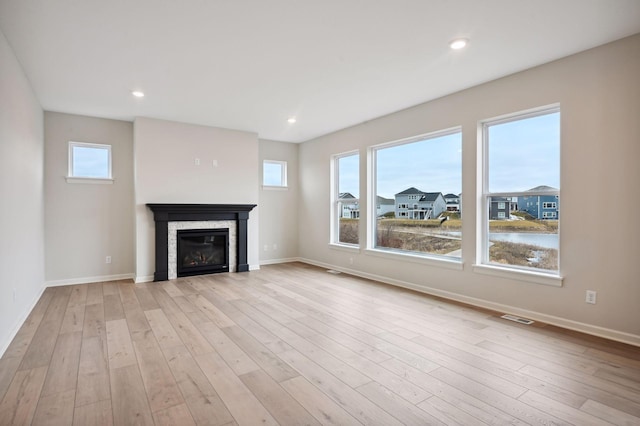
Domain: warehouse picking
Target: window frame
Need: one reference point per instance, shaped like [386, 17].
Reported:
[482, 265]
[455, 263]
[336, 207]
[283, 174]
[72, 178]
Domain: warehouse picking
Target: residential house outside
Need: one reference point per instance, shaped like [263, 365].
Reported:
[541, 206]
[415, 204]
[453, 202]
[384, 206]
[349, 206]
[501, 207]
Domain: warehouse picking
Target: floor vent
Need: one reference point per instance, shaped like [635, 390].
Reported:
[517, 319]
[333, 271]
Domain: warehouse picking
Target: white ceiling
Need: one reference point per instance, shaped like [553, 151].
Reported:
[250, 64]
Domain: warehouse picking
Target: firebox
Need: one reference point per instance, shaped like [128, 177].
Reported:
[202, 251]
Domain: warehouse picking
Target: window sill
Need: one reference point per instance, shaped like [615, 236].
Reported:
[441, 262]
[519, 275]
[350, 248]
[100, 181]
[275, 188]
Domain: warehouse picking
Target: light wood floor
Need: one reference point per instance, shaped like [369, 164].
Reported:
[294, 345]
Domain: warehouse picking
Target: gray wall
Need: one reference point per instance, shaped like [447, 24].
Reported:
[85, 222]
[279, 207]
[21, 196]
[165, 172]
[599, 95]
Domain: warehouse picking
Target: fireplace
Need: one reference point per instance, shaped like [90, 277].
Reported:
[202, 251]
[173, 218]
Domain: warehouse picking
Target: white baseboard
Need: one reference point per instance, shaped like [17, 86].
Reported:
[254, 267]
[87, 280]
[593, 330]
[21, 319]
[143, 279]
[277, 261]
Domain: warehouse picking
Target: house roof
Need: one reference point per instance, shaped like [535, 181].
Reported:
[451, 196]
[543, 188]
[345, 196]
[411, 191]
[382, 200]
[431, 196]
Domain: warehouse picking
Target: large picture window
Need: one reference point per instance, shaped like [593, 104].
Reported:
[521, 191]
[346, 202]
[419, 180]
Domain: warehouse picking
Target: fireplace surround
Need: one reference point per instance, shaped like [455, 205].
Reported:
[163, 214]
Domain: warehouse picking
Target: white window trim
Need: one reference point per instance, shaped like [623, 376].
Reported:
[371, 237]
[70, 178]
[335, 203]
[482, 264]
[283, 177]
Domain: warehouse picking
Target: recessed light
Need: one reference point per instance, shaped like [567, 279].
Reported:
[291, 120]
[138, 94]
[458, 43]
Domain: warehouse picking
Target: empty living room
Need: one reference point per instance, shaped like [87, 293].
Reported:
[418, 212]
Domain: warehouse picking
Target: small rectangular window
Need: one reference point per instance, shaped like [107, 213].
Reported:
[274, 173]
[89, 161]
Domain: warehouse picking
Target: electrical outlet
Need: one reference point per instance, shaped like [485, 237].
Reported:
[214, 163]
[107, 259]
[266, 247]
[196, 161]
[275, 247]
[351, 260]
[591, 297]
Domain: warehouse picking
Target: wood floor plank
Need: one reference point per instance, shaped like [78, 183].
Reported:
[162, 390]
[172, 416]
[55, 409]
[78, 294]
[8, 368]
[407, 413]
[447, 413]
[353, 402]
[128, 397]
[266, 359]
[20, 401]
[276, 400]
[204, 403]
[210, 311]
[607, 413]
[119, 346]
[94, 323]
[162, 328]
[43, 343]
[146, 299]
[73, 318]
[20, 343]
[235, 357]
[63, 368]
[96, 414]
[243, 405]
[93, 372]
[561, 411]
[113, 309]
[94, 294]
[318, 404]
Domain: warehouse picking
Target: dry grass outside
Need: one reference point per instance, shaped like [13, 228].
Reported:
[514, 254]
[537, 226]
[349, 231]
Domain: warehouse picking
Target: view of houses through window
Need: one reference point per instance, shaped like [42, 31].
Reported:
[522, 172]
[418, 185]
[347, 169]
